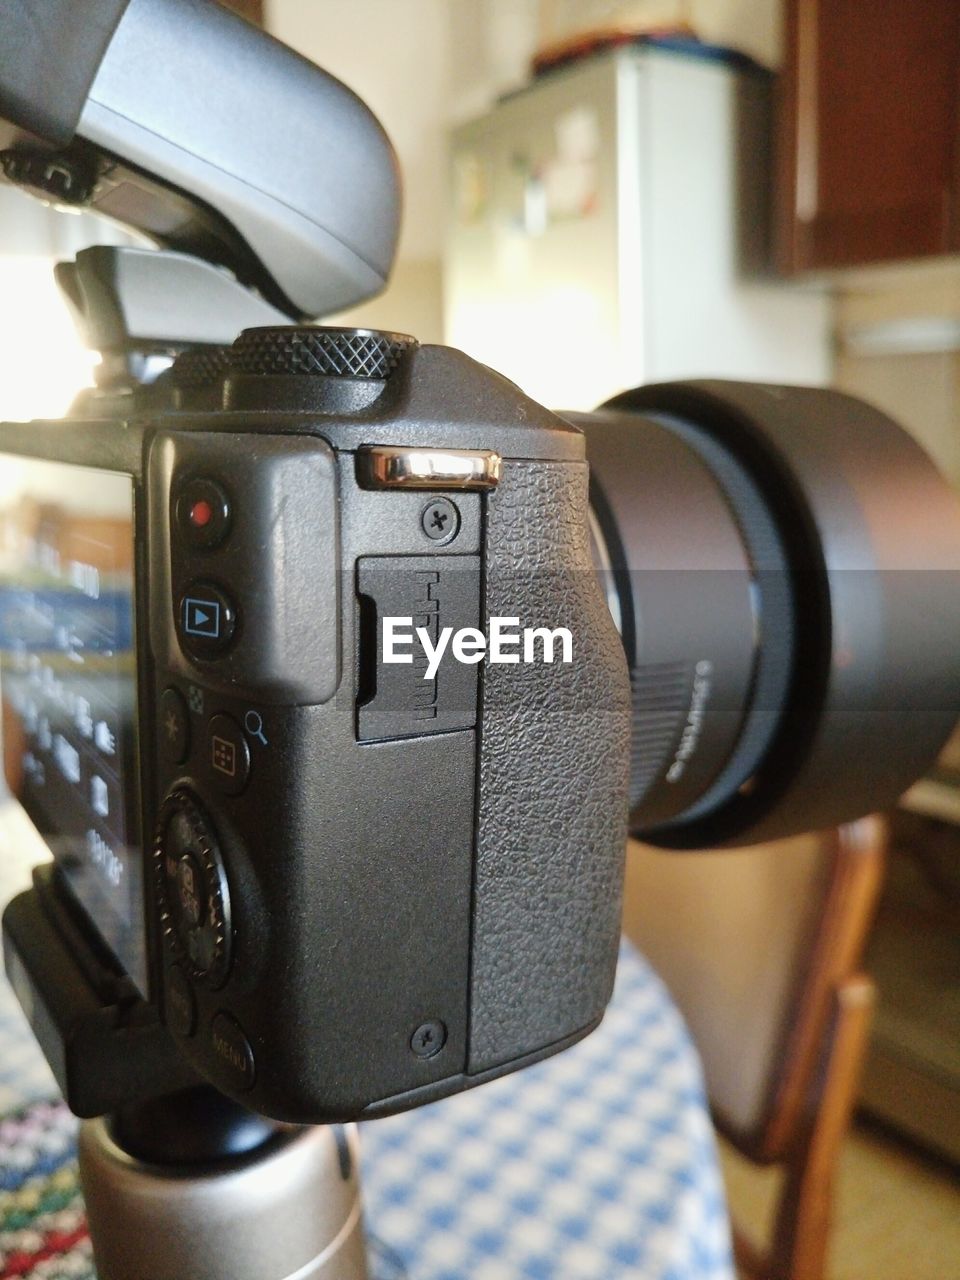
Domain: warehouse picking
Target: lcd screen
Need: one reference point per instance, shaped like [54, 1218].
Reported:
[68, 683]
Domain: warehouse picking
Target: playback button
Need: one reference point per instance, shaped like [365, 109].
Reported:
[206, 619]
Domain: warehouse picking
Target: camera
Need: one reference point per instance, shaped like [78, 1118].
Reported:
[357, 898]
[328, 883]
[324, 883]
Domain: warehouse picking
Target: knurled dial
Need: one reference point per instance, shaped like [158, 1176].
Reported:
[200, 367]
[368, 354]
[192, 895]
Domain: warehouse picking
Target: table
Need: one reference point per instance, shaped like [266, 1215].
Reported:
[598, 1164]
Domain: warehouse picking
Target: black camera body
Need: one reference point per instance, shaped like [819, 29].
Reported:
[364, 889]
[330, 884]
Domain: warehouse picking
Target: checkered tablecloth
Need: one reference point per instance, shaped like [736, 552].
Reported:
[598, 1164]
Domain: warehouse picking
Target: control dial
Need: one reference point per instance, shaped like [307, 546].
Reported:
[367, 354]
[192, 894]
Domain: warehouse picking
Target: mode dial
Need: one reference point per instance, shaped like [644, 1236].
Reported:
[200, 367]
[333, 353]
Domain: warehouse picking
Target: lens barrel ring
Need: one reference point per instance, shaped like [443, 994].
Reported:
[871, 536]
[682, 574]
[775, 613]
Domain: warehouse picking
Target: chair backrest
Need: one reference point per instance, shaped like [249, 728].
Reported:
[753, 944]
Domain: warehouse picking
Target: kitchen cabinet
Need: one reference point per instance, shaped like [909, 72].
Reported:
[869, 120]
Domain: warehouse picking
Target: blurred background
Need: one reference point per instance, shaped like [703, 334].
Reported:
[606, 192]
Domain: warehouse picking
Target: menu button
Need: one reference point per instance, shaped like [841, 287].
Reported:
[232, 1049]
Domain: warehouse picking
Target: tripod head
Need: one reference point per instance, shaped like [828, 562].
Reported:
[183, 122]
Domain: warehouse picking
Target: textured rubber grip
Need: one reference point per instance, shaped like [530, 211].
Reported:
[553, 779]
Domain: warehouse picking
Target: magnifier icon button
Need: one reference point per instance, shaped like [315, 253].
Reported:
[253, 723]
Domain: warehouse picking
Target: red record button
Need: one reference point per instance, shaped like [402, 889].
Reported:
[203, 513]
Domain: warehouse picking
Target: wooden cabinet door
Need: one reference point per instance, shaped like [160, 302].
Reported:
[869, 129]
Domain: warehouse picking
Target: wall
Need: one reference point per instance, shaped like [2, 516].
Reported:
[898, 346]
[395, 56]
[425, 64]
[41, 378]
[420, 64]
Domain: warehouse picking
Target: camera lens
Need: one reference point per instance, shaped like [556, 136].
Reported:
[784, 568]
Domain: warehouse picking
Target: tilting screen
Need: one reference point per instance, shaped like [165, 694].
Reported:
[68, 683]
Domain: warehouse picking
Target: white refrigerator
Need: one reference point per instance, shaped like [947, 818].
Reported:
[610, 224]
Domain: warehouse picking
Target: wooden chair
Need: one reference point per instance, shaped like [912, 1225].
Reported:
[760, 949]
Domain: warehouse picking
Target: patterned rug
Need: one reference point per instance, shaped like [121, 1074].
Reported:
[43, 1229]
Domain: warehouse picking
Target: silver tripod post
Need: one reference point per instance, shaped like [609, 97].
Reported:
[193, 1188]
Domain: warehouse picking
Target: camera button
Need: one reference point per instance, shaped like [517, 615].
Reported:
[190, 891]
[207, 620]
[193, 897]
[174, 727]
[203, 513]
[233, 1051]
[227, 755]
[181, 1004]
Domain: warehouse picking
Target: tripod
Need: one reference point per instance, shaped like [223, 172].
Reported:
[192, 1187]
